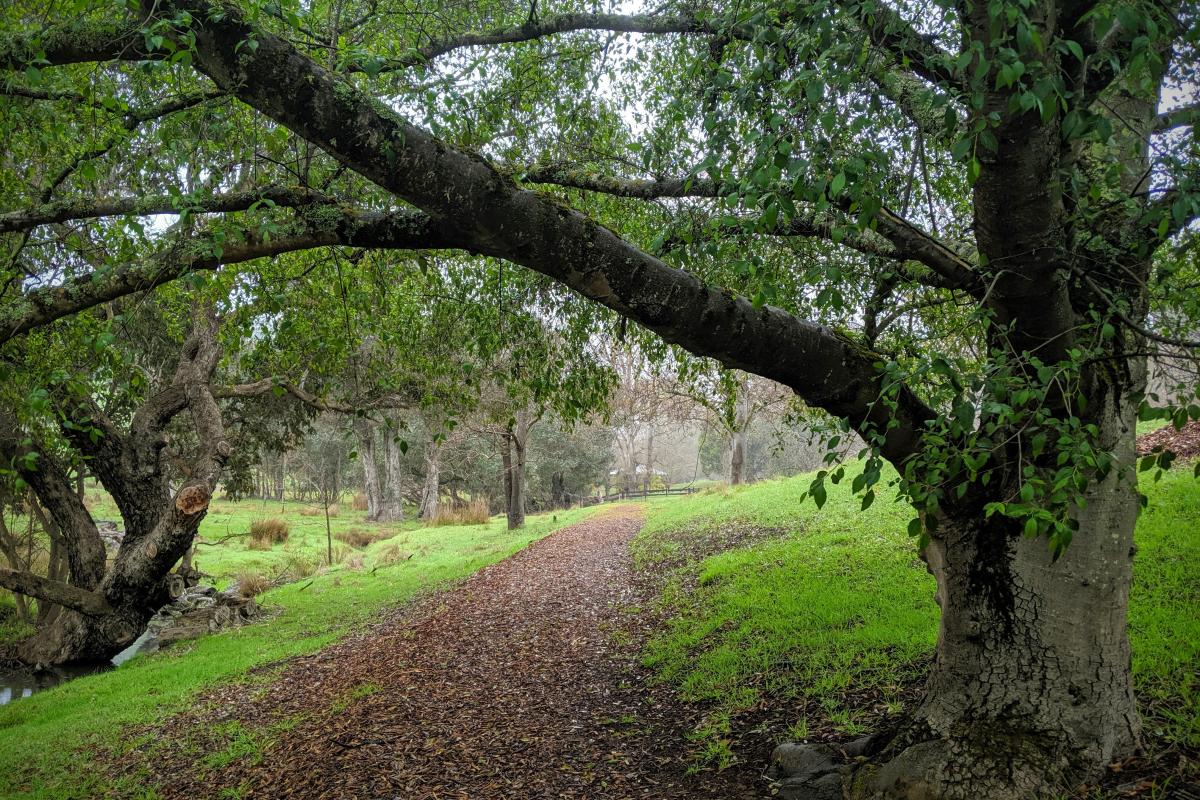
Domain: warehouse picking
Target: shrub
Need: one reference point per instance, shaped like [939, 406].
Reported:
[340, 553]
[294, 567]
[475, 512]
[354, 562]
[273, 530]
[251, 584]
[391, 554]
[357, 537]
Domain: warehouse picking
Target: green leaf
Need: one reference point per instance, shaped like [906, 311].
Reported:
[839, 183]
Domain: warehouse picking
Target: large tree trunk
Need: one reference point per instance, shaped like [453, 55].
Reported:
[391, 507]
[1031, 690]
[366, 455]
[431, 488]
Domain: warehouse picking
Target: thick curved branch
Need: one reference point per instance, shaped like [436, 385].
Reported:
[397, 230]
[81, 600]
[496, 217]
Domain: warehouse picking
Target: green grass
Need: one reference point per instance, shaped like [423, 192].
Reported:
[227, 523]
[832, 613]
[48, 740]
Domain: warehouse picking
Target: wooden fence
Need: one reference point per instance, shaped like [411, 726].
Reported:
[636, 494]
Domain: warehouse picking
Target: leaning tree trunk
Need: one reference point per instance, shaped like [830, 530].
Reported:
[366, 455]
[1030, 692]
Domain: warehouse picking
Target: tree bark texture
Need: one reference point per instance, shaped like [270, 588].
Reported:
[432, 457]
[372, 487]
[392, 503]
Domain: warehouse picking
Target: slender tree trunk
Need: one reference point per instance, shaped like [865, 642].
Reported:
[649, 479]
[280, 477]
[737, 456]
[366, 455]
[518, 438]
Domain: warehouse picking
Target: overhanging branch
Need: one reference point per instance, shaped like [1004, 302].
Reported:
[494, 216]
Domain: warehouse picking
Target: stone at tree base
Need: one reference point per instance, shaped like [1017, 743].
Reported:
[807, 772]
[200, 610]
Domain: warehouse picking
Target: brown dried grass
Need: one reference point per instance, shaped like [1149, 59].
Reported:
[252, 584]
[475, 512]
[391, 554]
[359, 537]
[269, 531]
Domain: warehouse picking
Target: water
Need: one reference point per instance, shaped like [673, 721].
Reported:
[15, 685]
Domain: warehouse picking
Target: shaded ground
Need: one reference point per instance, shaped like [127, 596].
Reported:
[521, 682]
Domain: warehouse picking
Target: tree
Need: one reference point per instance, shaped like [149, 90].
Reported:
[787, 146]
[107, 606]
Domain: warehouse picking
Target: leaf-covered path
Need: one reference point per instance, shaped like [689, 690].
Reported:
[518, 683]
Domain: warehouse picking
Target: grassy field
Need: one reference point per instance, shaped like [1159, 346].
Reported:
[830, 613]
[46, 740]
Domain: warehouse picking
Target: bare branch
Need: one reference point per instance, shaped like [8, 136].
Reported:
[559, 23]
[896, 35]
[81, 600]
[1178, 118]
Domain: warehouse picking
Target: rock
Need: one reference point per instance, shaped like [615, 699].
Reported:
[110, 533]
[807, 772]
[200, 610]
[866, 746]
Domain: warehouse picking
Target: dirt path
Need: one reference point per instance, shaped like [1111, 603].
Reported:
[519, 683]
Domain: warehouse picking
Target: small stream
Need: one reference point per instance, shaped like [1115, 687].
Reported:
[14, 685]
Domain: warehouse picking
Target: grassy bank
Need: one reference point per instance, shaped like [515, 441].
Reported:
[47, 740]
[830, 615]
